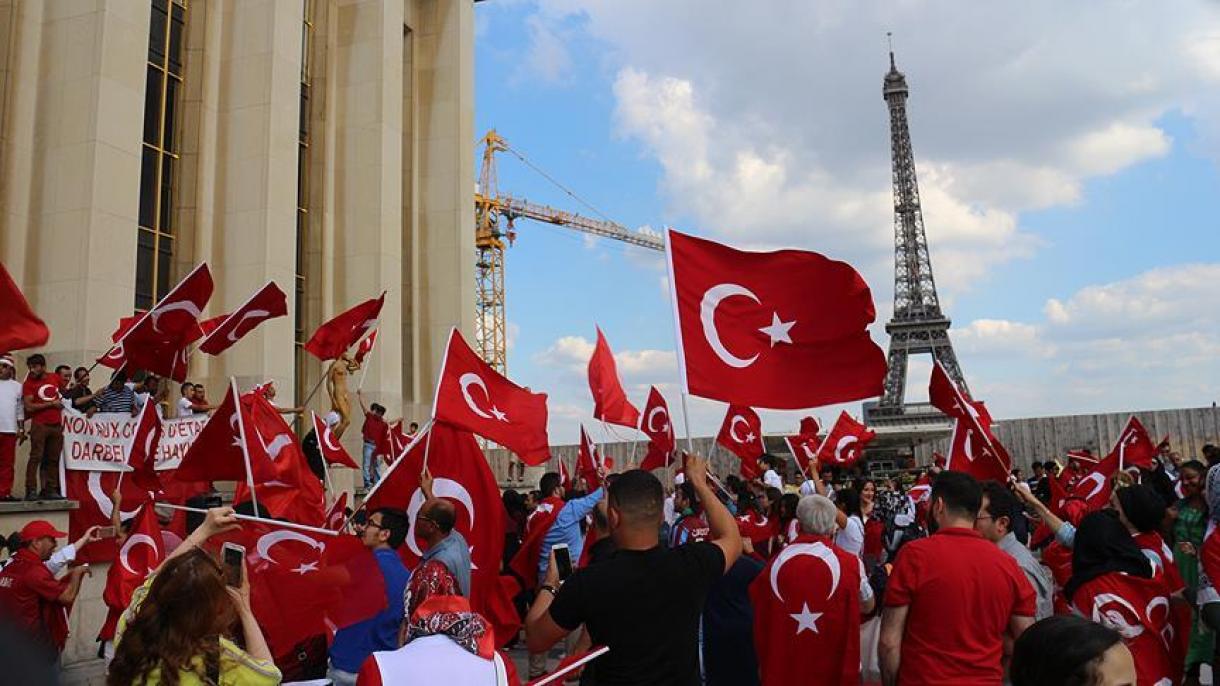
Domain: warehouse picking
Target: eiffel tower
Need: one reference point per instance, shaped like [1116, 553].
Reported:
[918, 325]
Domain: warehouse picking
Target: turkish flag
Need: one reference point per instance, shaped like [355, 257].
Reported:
[337, 514]
[807, 614]
[158, 341]
[461, 475]
[19, 327]
[804, 449]
[844, 445]
[657, 424]
[268, 303]
[294, 493]
[92, 491]
[565, 476]
[366, 346]
[1096, 483]
[783, 330]
[1139, 610]
[974, 449]
[115, 358]
[332, 450]
[141, 455]
[143, 550]
[525, 563]
[396, 441]
[1134, 447]
[590, 463]
[610, 402]
[741, 434]
[921, 490]
[306, 583]
[809, 426]
[473, 396]
[333, 338]
[569, 666]
[225, 446]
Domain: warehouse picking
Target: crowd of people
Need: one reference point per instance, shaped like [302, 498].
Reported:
[831, 578]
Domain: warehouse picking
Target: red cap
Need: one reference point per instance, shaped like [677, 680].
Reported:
[40, 528]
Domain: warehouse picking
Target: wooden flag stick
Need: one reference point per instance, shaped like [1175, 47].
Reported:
[568, 669]
[241, 429]
[425, 429]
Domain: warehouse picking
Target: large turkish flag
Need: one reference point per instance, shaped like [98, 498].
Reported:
[294, 493]
[333, 338]
[158, 341]
[473, 396]
[845, 442]
[973, 449]
[219, 452]
[610, 402]
[782, 330]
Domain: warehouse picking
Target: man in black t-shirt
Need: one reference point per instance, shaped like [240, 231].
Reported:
[644, 601]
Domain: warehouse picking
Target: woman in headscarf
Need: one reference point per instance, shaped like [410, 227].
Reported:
[1114, 583]
[1141, 509]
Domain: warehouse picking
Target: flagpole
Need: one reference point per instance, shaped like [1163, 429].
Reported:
[252, 518]
[427, 447]
[559, 673]
[330, 486]
[318, 385]
[245, 451]
[690, 443]
[197, 345]
[631, 461]
[426, 428]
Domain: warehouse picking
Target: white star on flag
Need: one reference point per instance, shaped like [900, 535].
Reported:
[306, 567]
[778, 331]
[806, 620]
[498, 414]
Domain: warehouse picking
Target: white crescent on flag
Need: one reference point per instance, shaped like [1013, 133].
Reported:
[652, 414]
[268, 540]
[466, 381]
[707, 317]
[816, 550]
[184, 305]
[843, 443]
[733, 429]
[232, 335]
[441, 488]
[133, 541]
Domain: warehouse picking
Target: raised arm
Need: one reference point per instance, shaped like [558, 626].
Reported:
[722, 526]
[360, 397]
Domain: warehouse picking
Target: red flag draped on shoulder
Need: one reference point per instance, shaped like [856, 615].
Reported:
[973, 449]
[473, 396]
[525, 563]
[610, 402]
[741, 434]
[334, 337]
[844, 445]
[219, 452]
[332, 450]
[268, 303]
[659, 427]
[158, 340]
[460, 474]
[20, 328]
[294, 493]
[1134, 447]
[143, 550]
[781, 330]
[143, 450]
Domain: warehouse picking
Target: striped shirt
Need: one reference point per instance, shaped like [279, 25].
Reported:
[122, 400]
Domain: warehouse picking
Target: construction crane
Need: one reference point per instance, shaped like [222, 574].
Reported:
[490, 209]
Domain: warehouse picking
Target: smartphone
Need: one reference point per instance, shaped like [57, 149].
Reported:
[105, 532]
[563, 560]
[233, 559]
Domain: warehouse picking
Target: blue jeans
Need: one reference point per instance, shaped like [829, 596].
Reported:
[370, 465]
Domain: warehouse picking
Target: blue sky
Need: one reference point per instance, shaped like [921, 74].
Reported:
[1067, 160]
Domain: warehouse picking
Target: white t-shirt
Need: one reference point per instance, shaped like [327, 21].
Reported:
[851, 538]
[430, 660]
[12, 411]
[771, 478]
[185, 407]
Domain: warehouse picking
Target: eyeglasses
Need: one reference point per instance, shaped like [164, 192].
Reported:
[982, 517]
[371, 523]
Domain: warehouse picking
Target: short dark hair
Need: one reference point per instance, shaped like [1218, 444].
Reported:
[638, 496]
[395, 521]
[377, 409]
[36, 358]
[62, 367]
[687, 489]
[414, 426]
[548, 483]
[198, 385]
[1037, 465]
[79, 372]
[1051, 465]
[1063, 649]
[960, 492]
[184, 387]
[1195, 465]
[1000, 501]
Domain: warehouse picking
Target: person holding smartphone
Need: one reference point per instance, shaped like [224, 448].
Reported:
[645, 601]
[184, 617]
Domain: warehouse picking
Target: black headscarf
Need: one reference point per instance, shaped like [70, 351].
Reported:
[1143, 506]
[1102, 546]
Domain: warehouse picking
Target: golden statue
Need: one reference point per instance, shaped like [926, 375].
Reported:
[336, 388]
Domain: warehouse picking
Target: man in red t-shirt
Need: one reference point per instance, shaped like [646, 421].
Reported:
[374, 432]
[44, 409]
[30, 596]
[952, 598]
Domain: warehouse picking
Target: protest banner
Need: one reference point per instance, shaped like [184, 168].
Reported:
[102, 442]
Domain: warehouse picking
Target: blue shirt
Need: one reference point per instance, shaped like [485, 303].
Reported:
[453, 552]
[566, 529]
[352, 645]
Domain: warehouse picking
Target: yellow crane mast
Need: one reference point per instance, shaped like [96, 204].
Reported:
[492, 237]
